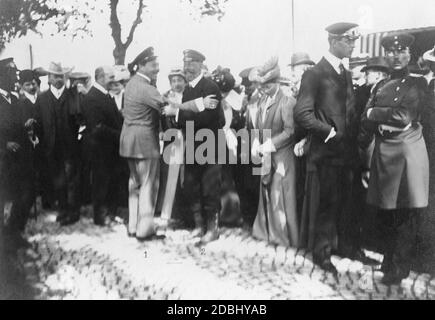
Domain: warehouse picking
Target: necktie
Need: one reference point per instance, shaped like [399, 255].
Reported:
[342, 72]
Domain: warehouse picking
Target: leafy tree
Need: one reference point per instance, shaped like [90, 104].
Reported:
[17, 17]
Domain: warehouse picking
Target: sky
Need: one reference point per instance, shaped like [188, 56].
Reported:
[250, 32]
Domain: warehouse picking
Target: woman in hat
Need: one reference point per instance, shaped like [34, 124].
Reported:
[399, 173]
[231, 171]
[276, 220]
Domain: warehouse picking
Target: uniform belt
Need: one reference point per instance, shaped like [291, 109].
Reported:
[135, 123]
[384, 129]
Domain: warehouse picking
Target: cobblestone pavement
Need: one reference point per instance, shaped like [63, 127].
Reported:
[84, 261]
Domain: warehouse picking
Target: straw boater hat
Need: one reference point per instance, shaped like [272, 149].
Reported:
[56, 68]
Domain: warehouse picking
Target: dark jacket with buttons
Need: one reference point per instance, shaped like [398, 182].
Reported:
[399, 172]
[325, 101]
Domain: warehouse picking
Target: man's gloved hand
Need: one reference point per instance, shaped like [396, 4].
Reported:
[299, 148]
[12, 146]
[30, 123]
[365, 177]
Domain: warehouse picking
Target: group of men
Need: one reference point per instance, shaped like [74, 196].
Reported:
[109, 144]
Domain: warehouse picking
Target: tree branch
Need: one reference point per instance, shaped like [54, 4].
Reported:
[114, 23]
[135, 24]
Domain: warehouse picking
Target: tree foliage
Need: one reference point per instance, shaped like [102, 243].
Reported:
[17, 17]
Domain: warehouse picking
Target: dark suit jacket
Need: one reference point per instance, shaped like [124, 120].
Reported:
[6, 134]
[58, 121]
[103, 125]
[22, 160]
[212, 119]
[325, 101]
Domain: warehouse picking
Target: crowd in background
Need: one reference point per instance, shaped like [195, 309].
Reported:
[337, 158]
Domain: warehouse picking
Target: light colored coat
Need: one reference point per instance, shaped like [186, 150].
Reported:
[142, 110]
[276, 219]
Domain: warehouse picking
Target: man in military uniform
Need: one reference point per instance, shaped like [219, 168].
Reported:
[326, 110]
[399, 175]
[202, 181]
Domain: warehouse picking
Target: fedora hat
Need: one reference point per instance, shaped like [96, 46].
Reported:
[301, 58]
[56, 68]
[429, 55]
[376, 63]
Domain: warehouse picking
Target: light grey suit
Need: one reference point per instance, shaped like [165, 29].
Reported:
[139, 143]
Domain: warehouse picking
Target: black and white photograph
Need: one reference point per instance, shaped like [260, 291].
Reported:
[229, 151]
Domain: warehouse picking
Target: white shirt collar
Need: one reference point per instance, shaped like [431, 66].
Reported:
[335, 62]
[31, 97]
[118, 99]
[4, 93]
[100, 87]
[144, 76]
[195, 81]
[57, 92]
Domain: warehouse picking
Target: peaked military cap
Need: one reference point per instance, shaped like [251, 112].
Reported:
[343, 29]
[6, 62]
[193, 55]
[145, 56]
[397, 41]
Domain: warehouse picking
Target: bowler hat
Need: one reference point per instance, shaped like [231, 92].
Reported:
[301, 58]
[376, 63]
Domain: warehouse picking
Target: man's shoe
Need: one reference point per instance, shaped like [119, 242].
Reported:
[328, 267]
[69, 219]
[393, 278]
[102, 221]
[360, 256]
[151, 237]
[197, 232]
[131, 234]
[210, 236]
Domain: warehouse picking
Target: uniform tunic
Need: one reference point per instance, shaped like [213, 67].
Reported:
[399, 176]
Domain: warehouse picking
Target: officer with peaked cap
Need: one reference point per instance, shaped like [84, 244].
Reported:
[202, 179]
[326, 110]
[399, 174]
